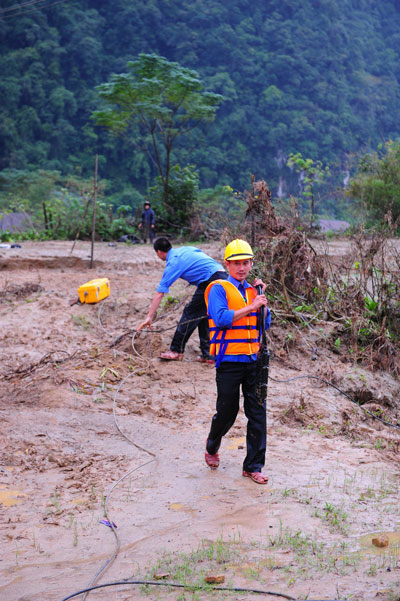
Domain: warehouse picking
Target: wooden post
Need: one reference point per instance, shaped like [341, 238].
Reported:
[82, 222]
[46, 221]
[94, 212]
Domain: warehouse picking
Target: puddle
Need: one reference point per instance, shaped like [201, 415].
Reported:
[10, 497]
[393, 537]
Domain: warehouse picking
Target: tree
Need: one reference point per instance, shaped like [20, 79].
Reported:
[155, 102]
[311, 172]
[183, 192]
[377, 183]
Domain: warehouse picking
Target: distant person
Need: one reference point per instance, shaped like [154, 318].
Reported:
[194, 266]
[147, 224]
[233, 306]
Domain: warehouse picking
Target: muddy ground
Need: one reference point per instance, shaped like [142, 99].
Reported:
[93, 422]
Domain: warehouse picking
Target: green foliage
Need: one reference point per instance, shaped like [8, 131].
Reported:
[376, 185]
[368, 297]
[312, 173]
[221, 205]
[319, 78]
[125, 197]
[183, 190]
[56, 206]
[155, 103]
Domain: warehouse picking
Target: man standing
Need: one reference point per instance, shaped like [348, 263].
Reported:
[235, 339]
[147, 223]
[194, 266]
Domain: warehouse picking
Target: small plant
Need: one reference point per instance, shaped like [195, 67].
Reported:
[55, 501]
[169, 301]
[81, 321]
[112, 371]
[336, 517]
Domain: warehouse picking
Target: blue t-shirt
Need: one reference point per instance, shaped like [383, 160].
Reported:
[189, 263]
[222, 315]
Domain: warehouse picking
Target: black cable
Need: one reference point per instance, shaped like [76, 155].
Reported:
[111, 559]
[185, 586]
[383, 421]
[341, 392]
[189, 587]
[154, 331]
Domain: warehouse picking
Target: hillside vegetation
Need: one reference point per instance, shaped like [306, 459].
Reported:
[315, 76]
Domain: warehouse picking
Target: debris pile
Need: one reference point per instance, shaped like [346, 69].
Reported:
[284, 256]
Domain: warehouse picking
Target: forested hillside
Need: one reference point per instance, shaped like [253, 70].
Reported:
[320, 77]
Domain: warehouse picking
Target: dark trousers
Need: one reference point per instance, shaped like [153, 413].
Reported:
[147, 232]
[195, 316]
[230, 376]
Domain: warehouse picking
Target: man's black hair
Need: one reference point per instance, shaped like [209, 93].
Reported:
[162, 244]
[146, 203]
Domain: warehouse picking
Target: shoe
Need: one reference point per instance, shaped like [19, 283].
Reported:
[171, 356]
[212, 460]
[257, 477]
[205, 360]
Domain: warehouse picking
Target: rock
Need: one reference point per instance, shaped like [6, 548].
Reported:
[380, 541]
[214, 579]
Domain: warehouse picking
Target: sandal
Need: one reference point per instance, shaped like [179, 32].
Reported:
[257, 477]
[205, 360]
[212, 460]
[171, 356]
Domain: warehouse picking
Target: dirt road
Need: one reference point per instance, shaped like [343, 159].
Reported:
[90, 425]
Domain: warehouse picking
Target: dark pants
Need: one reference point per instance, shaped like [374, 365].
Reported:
[195, 316]
[230, 376]
[147, 232]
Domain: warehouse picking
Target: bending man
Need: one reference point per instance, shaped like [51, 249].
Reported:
[194, 266]
[235, 339]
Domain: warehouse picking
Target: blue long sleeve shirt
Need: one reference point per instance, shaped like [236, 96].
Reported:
[223, 316]
[148, 217]
[189, 263]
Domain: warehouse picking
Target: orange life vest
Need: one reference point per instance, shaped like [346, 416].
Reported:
[242, 338]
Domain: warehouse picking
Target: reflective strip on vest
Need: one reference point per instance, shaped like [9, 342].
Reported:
[232, 339]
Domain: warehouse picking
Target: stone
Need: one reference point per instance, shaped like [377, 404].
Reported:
[380, 541]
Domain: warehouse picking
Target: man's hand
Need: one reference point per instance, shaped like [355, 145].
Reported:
[155, 303]
[259, 301]
[146, 322]
[258, 282]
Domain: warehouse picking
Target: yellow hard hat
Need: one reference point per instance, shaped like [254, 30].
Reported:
[238, 250]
